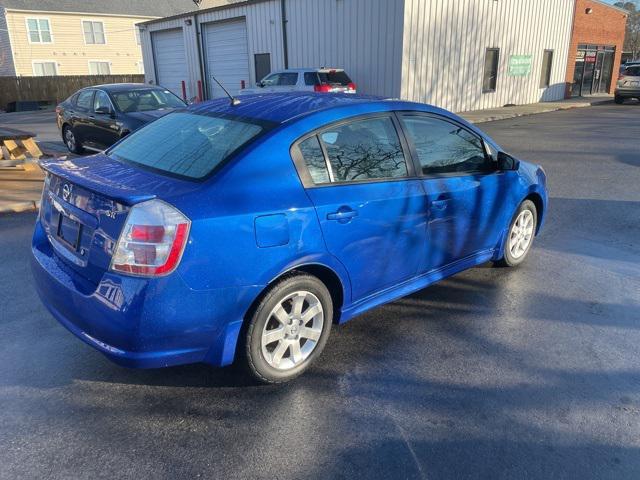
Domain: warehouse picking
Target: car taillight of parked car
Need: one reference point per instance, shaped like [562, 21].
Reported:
[351, 86]
[152, 240]
[322, 88]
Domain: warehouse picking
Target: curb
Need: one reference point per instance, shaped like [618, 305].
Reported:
[19, 207]
[569, 106]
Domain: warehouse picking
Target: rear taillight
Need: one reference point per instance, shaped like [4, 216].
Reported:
[351, 86]
[152, 240]
[322, 87]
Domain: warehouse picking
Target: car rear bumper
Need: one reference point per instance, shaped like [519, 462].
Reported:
[138, 322]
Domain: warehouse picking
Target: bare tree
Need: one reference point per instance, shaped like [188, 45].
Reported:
[632, 37]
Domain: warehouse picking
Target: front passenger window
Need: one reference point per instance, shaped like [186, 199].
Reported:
[445, 147]
[364, 150]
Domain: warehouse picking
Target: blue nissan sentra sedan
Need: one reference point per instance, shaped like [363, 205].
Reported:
[227, 232]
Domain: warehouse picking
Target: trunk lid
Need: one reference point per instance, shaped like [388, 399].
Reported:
[85, 203]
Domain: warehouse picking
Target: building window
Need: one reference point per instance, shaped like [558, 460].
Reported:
[43, 69]
[99, 68]
[93, 32]
[38, 30]
[547, 64]
[490, 78]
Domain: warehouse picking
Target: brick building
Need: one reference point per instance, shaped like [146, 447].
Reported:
[596, 48]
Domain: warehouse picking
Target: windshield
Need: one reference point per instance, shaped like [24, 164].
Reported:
[632, 71]
[141, 100]
[185, 144]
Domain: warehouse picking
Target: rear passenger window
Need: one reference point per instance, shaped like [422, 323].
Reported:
[85, 100]
[311, 78]
[314, 159]
[444, 147]
[364, 150]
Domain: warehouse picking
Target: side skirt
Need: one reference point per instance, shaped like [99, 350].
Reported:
[415, 284]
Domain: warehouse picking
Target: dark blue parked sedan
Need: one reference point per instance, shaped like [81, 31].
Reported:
[242, 232]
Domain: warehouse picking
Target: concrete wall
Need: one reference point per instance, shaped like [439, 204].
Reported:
[605, 25]
[445, 43]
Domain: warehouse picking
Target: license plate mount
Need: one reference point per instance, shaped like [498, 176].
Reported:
[69, 231]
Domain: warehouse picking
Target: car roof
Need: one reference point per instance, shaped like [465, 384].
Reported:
[118, 87]
[310, 69]
[283, 107]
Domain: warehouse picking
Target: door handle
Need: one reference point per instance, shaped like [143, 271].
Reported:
[439, 204]
[343, 215]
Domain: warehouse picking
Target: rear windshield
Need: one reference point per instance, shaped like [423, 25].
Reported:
[185, 144]
[632, 71]
[334, 78]
[141, 100]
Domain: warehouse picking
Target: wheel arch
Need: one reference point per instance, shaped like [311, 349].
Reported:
[539, 203]
[328, 276]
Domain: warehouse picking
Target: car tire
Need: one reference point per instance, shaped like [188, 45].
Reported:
[71, 140]
[618, 99]
[288, 329]
[519, 239]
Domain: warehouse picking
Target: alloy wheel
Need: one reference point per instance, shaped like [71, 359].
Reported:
[521, 234]
[70, 139]
[292, 331]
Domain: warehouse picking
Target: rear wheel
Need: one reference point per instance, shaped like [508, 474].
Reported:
[71, 140]
[520, 235]
[618, 99]
[288, 329]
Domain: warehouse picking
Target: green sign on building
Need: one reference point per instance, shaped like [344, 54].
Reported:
[520, 65]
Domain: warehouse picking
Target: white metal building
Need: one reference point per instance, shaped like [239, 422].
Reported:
[458, 54]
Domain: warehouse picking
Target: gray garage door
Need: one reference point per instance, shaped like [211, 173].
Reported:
[170, 61]
[227, 56]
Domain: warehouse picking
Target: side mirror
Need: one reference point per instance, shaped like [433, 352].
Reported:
[260, 84]
[507, 162]
[103, 110]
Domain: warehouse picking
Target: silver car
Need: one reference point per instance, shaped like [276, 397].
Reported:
[628, 84]
[325, 80]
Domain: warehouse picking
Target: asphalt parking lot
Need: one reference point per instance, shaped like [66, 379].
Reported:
[495, 373]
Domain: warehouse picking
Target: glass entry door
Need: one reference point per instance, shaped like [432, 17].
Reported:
[606, 72]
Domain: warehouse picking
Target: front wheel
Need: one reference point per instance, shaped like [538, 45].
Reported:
[618, 99]
[288, 329]
[520, 235]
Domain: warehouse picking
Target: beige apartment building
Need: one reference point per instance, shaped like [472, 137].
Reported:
[50, 37]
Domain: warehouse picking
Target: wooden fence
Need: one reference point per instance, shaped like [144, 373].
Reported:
[53, 89]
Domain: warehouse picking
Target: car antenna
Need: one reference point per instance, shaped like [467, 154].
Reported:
[234, 100]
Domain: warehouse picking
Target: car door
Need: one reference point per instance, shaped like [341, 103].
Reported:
[464, 191]
[104, 125]
[368, 201]
[80, 115]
